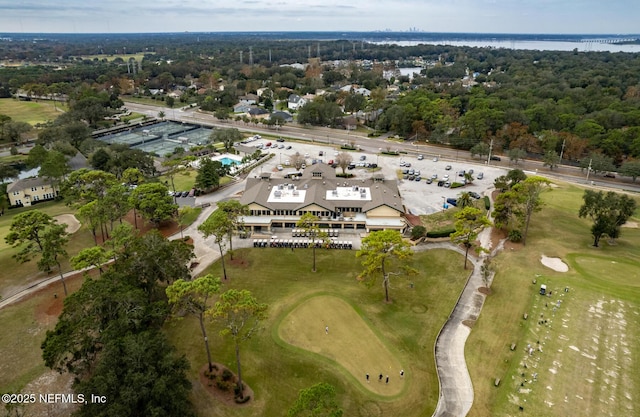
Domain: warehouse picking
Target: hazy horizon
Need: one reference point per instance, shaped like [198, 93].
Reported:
[206, 16]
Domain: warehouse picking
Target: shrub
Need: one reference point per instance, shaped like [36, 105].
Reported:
[345, 175]
[227, 375]
[515, 236]
[457, 185]
[441, 233]
[417, 232]
[223, 385]
[487, 202]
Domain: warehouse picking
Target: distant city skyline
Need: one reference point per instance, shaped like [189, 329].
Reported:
[478, 16]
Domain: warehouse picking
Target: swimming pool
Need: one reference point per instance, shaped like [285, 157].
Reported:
[228, 161]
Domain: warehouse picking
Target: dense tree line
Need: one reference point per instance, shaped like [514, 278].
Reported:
[561, 106]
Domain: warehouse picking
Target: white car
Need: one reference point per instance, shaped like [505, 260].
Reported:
[420, 157]
[446, 177]
[280, 167]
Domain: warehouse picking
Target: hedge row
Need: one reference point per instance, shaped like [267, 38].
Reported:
[487, 203]
[441, 233]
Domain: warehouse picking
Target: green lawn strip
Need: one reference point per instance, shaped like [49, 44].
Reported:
[351, 344]
[31, 112]
[23, 330]
[276, 371]
[594, 273]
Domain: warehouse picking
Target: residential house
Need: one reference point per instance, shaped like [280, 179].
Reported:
[295, 102]
[28, 191]
[283, 115]
[242, 107]
[366, 204]
[258, 113]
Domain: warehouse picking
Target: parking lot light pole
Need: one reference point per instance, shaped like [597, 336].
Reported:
[444, 202]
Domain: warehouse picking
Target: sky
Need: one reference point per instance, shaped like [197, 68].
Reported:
[478, 16]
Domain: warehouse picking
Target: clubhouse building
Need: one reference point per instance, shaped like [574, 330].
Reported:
[366, 204]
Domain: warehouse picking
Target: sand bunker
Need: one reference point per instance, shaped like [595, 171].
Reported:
[70, 220]
[554, 263]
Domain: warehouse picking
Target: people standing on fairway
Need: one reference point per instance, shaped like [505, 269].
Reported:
[326, 329]
[380, 378]
[367, 378]
[387, 381]
[401, 373]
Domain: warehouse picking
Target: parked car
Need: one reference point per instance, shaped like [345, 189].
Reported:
[280, 167]
[321, 153]
[474, 195]
[363, 157]
[471, 171]
[452, 201]
[447, 184]
[448, 167]
[420, 157]
[268, 144]
[418, 178]
[280, 140]
[461, 173]
[610, 175]
[411, 172]
[434, 176]
[288, 147]
[184, 194]
[281, 146]
[402, 163]
[446, 177]
[440, 183]
[435, 159]
[411, 177]
[480, 175]
[495, 158]
[417, 172]
[407, 164]
[429, 180]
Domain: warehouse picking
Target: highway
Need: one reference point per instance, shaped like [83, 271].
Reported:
[337, 137]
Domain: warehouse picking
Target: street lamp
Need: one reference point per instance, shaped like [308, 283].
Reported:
[444, 203]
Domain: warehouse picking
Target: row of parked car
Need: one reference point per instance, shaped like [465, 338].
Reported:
[183, 193]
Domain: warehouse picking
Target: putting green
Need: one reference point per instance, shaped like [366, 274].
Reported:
[350, 342]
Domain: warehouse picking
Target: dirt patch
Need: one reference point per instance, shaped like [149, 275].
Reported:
[496, 236]
[47, 383]
[413, 219]
[73, 225]
[241, 262]
[469, 323]
[220, 384]
[631, 225]
[49, 309]
[484, 290]
[166, 229]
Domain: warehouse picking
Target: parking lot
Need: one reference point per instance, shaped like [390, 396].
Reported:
[419, 197]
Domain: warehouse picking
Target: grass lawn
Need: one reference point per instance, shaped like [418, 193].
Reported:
[184, 180]
[369, 336]
[14, 275]
[586, 342]
[31, 112]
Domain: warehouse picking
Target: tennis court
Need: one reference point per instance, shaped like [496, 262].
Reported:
[161, 138]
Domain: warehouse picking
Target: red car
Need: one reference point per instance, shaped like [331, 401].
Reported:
[268, 144]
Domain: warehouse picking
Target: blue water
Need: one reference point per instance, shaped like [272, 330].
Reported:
[228, 161]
